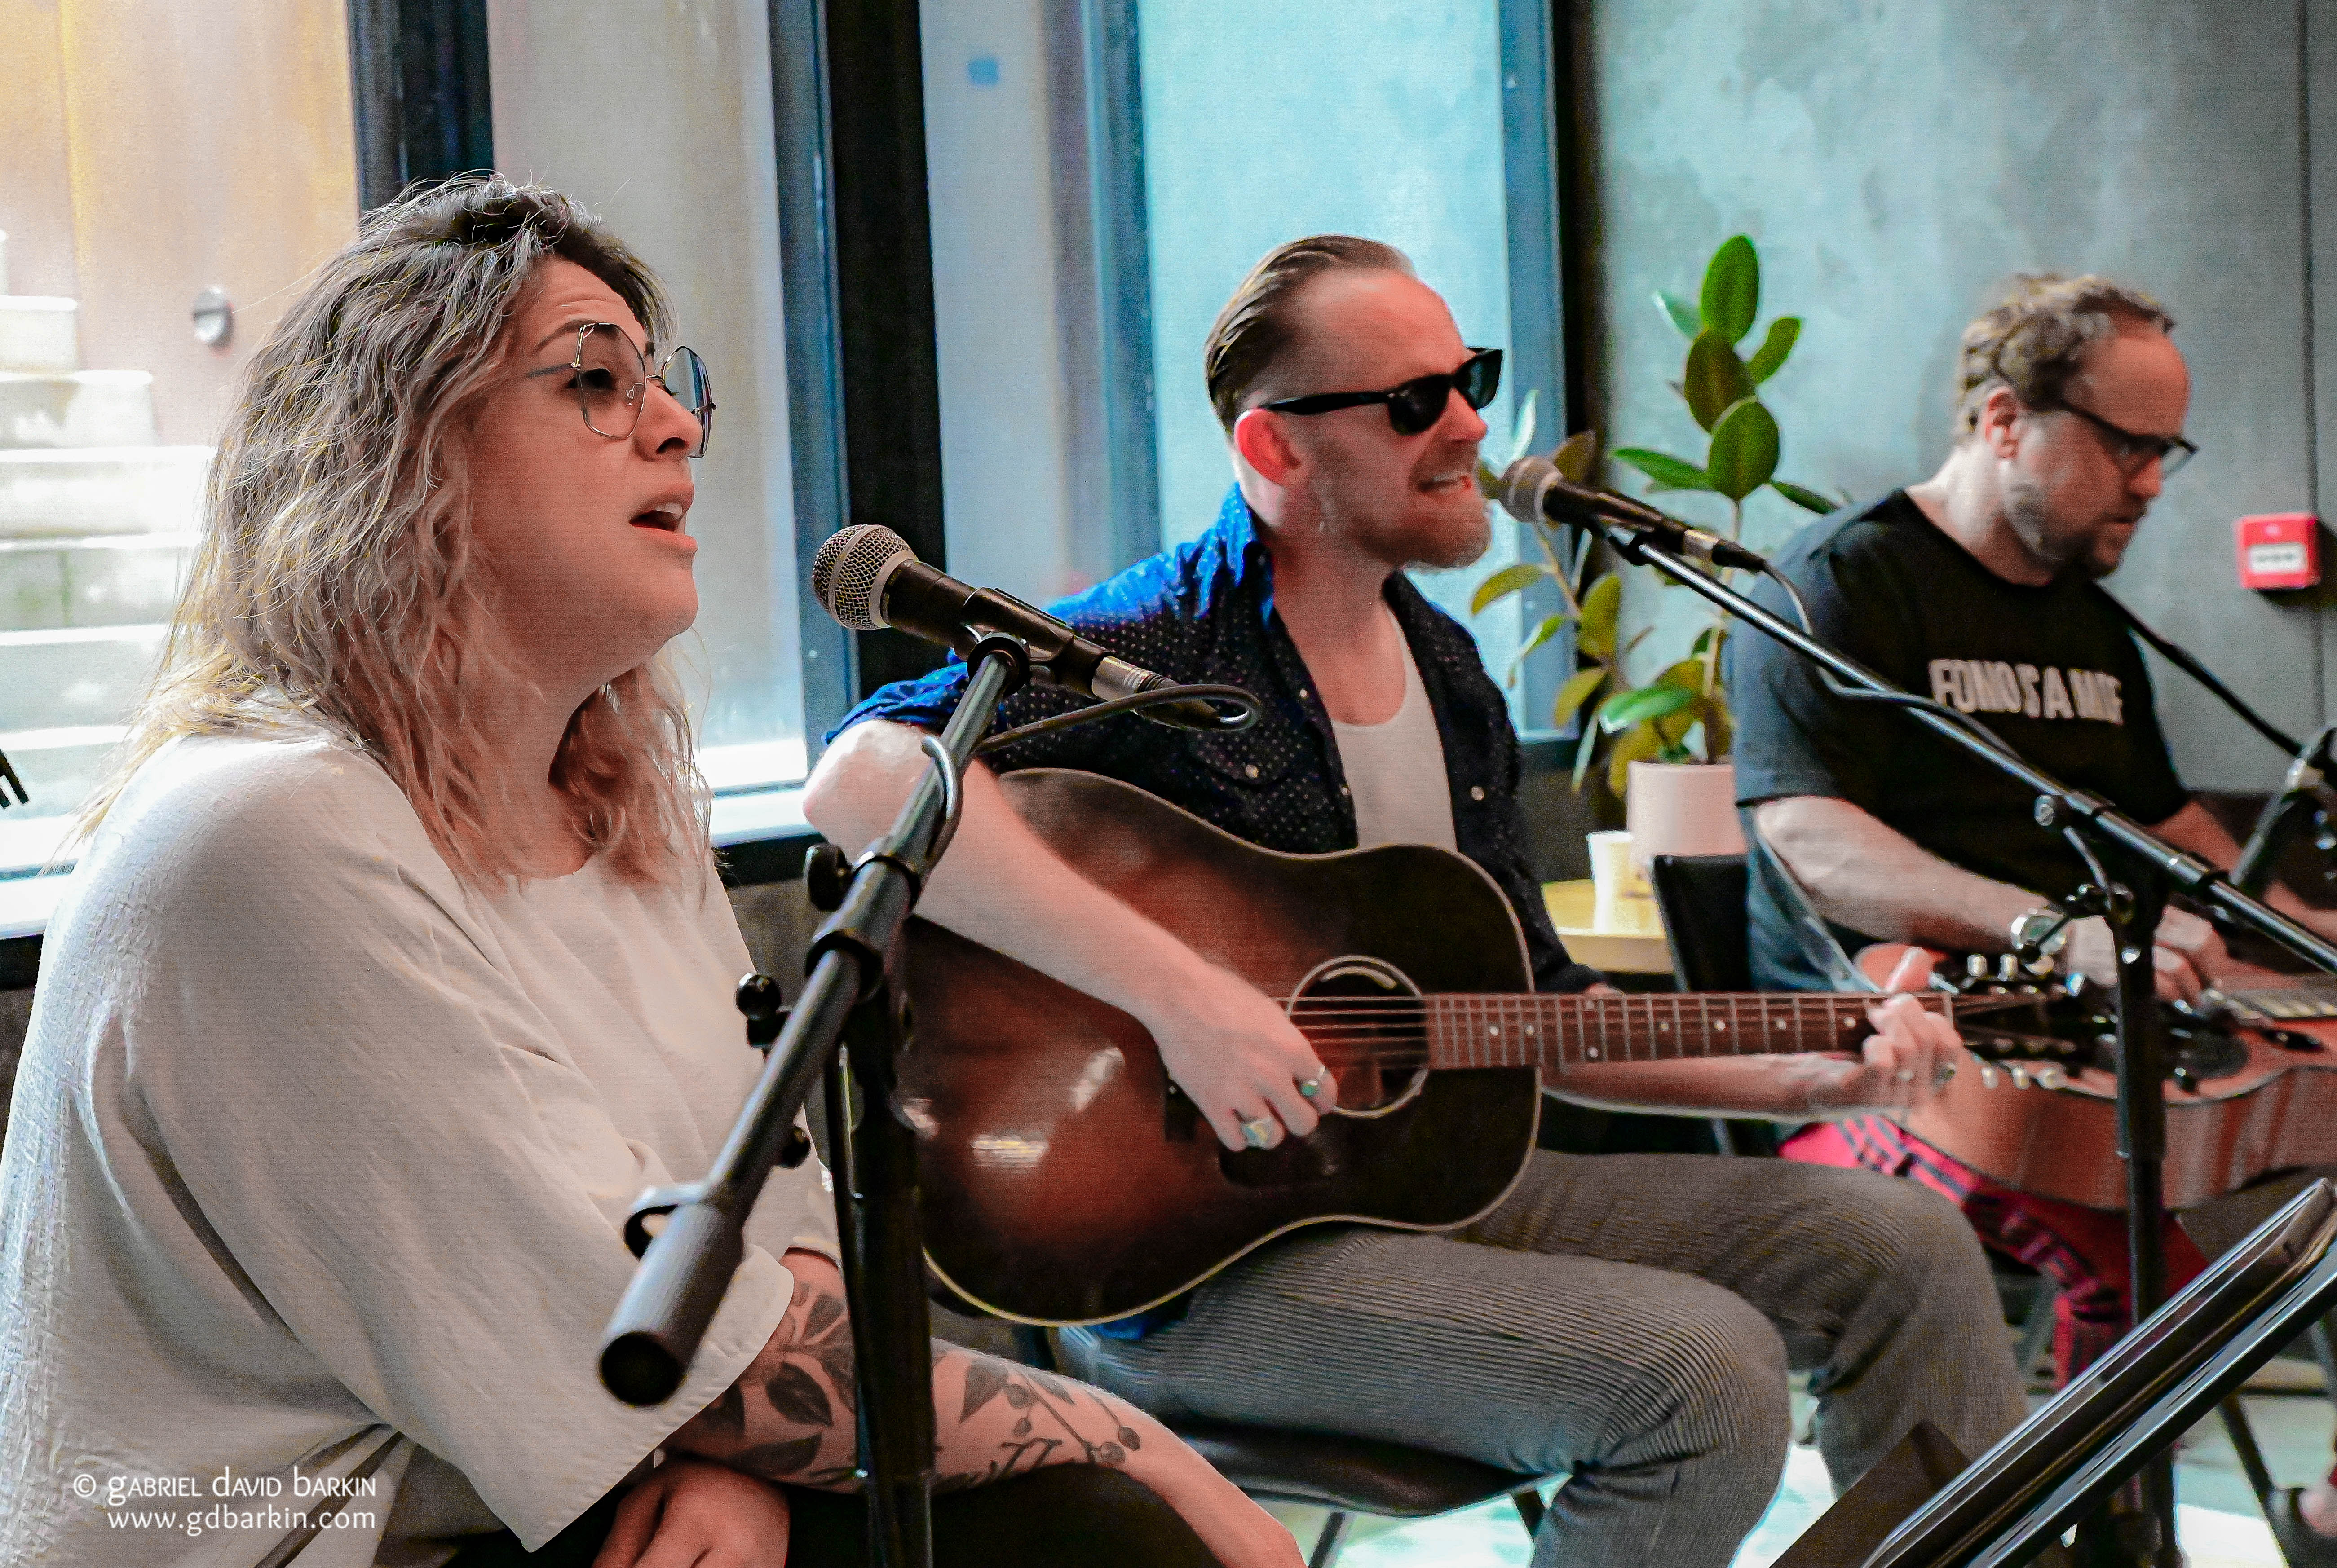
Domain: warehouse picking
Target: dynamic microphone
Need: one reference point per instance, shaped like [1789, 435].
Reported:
[1533, 488]
[867, 577]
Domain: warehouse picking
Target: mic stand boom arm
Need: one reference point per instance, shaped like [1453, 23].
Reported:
[849, 1012]
[2150, 870]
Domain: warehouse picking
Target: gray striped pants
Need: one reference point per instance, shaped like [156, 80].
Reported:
[1626, 1319]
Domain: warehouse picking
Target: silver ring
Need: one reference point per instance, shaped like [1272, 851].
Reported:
[1310, 1088]
[1258, 1131]
[1941, 1072]
[1904, 1075]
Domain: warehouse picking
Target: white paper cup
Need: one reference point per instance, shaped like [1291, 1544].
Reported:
[1621, 899]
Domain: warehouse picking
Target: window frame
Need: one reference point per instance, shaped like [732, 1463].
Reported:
[1537, 357]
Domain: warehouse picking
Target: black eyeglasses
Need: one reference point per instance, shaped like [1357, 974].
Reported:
[2132, 451]
[613, 383]
[1419, 402]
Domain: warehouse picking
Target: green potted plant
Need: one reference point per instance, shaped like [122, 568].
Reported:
[1680, 718]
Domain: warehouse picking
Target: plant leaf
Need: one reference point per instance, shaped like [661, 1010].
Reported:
[1744, 449]
[1803, 496]
[1640, 745]
[1679, 313]
[1522, 438]
[1783, 333]
[1715, 378]
[1732, 289]
[1622, 711]
[1671, 472]
[1511, 579]
[1575, 693]
[1601, 605]
[1576, 455]
[1719, 726]
[1549, 626]
[1583, 751]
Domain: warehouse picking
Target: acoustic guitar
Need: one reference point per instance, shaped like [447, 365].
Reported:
[1065, 1179]
[2253, 1093]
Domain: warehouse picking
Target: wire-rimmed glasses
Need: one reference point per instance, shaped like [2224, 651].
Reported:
[611, 380]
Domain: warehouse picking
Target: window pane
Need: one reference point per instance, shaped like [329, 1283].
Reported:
[131, 183]
[1258, 131]
[659, 117]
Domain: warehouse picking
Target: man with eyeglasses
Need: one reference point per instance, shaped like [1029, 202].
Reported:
[1629, 1319]
[1978, 588]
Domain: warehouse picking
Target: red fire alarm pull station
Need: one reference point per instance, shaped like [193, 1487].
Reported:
[2279, 549]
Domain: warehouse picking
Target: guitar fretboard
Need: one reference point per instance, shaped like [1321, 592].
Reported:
[1557, 1032]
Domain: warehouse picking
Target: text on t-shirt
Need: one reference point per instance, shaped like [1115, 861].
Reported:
[1986, 686]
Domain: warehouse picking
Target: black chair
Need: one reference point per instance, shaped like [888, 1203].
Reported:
[1702, 898]
[1348, 1475]
[1702, 901]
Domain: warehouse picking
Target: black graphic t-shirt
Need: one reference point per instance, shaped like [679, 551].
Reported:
[2051, 669]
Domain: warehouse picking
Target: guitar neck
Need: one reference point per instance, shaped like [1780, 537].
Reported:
[1558, 1032]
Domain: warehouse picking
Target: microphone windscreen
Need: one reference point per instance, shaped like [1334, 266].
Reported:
[1524, 484]
[849, 573]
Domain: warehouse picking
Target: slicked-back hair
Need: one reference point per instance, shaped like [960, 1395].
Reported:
[2036, 338]
[1255, 329]
[336, 577]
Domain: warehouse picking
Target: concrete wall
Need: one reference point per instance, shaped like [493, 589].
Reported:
[1894, 159]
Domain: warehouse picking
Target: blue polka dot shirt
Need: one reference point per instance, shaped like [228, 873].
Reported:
[1204, 613]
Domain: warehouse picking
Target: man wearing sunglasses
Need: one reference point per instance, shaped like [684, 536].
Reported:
[1628, 1319]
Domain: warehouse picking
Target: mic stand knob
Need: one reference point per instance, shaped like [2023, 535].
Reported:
[759, 997]
[827, 876]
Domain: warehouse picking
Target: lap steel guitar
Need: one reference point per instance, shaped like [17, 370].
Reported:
[1067, 1181]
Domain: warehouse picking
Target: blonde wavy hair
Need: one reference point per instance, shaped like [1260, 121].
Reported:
[335, 577]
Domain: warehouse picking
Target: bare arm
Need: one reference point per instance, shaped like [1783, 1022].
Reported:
[1870, 877]
[1230, 1049]
[790, 1417]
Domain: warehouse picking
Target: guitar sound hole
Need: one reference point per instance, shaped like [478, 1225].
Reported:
[1369, 1025]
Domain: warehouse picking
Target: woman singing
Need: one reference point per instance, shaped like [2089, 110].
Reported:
[395, 967]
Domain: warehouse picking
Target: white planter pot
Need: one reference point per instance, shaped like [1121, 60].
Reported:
[1682, 809]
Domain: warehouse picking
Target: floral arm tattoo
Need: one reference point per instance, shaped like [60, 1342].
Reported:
[790, 1416]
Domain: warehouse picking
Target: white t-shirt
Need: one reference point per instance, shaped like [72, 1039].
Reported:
[311, 1142]
[1395, 771]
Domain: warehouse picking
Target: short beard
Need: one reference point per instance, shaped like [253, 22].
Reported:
[1434, 554]
[2031, 517]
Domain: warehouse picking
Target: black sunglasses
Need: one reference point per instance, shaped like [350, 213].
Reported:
[2132, 451]
[1419, 402]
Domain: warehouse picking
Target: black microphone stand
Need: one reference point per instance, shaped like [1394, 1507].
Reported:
[2301, 796]
[851, 1024]
[2148, 871]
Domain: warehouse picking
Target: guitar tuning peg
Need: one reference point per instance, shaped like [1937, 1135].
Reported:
[2019, 1075]
[2050, 1077]
[1988, 1075]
